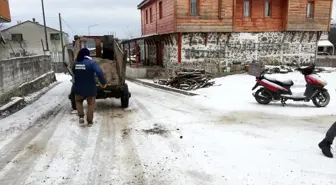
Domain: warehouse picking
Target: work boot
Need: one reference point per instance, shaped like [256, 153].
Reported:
[81, 120]
[90, 124]
[325, 147]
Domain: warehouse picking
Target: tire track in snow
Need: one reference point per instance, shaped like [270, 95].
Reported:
[87, 166]
[39, 174]
[9, 151]
[168, 169]
[104, 163]
[76, 157]
[131, 167]
[23, 162]
[117, 161]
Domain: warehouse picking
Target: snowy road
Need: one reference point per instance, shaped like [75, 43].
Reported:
[161, 139]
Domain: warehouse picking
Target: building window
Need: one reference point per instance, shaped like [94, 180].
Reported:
[150, 15]
[146, 16]
[247, 8]
[17, 37]
[55, 36]
[194, 7]
[310, 9]
[267, 8]
[160, 10]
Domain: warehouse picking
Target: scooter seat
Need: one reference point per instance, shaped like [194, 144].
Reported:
[280, 81]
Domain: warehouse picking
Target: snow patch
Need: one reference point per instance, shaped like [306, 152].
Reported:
[234, 94]
[61, 77]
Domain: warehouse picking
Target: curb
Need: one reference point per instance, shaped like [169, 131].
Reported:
[14, 103]
[17, 103]
[160, 87]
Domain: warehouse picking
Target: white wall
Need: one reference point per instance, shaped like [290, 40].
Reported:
[32, 35]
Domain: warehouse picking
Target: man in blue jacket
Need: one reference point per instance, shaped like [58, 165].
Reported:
[85, 71]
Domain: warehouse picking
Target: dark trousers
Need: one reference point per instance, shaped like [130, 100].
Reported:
[331, 133]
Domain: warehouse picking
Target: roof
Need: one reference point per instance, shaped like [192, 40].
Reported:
[139, 38]
[144, 3]
[28, 21]
[324, 43]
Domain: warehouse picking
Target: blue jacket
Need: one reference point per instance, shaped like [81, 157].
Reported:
[85, 78]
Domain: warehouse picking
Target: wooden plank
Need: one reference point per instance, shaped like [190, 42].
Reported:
[311, 35]
[205, 35]
[191, 35]
[284, 37]
[218, 37]
[228, 37]
[179, 47]
[319, 35]
[302, 36]
[293, 35]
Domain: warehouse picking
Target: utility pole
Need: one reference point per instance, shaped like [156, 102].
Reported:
[61, 35]
[45, 28]
[90, 27]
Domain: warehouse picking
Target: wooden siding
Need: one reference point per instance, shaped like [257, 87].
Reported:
[257, 21]
[159, 26]
[297, 16]
[227, 16]
[214, 16]
[5, 15]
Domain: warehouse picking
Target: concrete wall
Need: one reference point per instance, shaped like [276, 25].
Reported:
[136, 72]
[17, 74]
[236, 49]
[32, 34]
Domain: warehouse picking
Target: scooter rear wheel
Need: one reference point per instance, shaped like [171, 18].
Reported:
[262, 96]
[322, 99]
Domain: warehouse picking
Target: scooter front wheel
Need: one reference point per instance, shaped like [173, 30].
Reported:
[322, 99]
[262, 96]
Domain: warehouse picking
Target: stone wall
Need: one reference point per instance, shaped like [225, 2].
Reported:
[326, 61]
[170, 61]
[17, 74]
[59, 67]
[236, 49]
[152, 54]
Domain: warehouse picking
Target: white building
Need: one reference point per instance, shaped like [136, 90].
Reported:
[28, 38]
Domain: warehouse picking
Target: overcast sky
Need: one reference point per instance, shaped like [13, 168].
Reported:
[120, 16]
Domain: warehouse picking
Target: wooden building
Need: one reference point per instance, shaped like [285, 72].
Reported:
[214, 34]
[5, 15]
